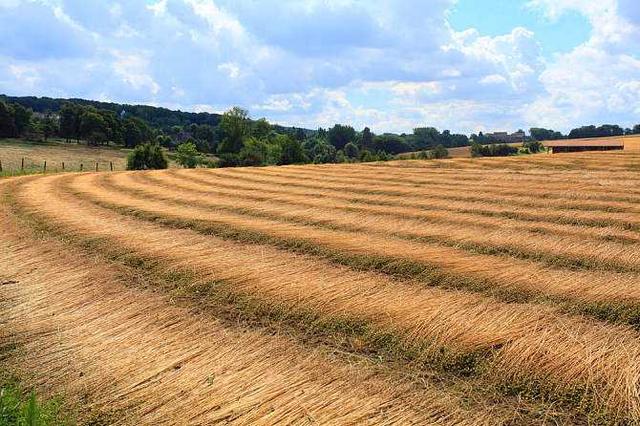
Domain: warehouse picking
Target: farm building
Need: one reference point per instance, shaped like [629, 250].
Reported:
[631, 143]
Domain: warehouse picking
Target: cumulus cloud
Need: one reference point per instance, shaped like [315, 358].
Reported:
[387, 64]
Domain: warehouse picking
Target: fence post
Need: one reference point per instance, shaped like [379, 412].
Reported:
[22, 166]
[110, 165]
[81, 166]
[44, 168]
[96, 166]
[63, 166]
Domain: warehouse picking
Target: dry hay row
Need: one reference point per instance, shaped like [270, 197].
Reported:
[531, 343]
[497, 182]
[592, 162]
[607, 295]
[554, 250]
[426, 197]
[382, 205]
[420, 206]
[578, 195]
[454, 192]
[136, 359]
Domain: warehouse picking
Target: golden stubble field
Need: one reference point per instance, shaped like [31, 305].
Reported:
[465, 291]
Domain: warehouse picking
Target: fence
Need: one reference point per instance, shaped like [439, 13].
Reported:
[42, 166]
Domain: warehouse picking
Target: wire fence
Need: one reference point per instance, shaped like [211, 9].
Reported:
[25, 165]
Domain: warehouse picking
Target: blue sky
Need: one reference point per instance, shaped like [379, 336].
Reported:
[392, 65]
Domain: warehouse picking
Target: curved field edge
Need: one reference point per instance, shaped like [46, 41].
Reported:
[528, 388]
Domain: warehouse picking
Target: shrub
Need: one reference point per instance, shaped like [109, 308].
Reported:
[187, 155]
[147, 157]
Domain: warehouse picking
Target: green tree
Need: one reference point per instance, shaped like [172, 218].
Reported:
[340, 135]
[7, 121]
[351, 150]
[70, 121]
[254, 152]
[21, 118]
[261, 129]
[187, 155]
[93, 128]
[235, 127]
[439, 152]
[147, 157]
[135, 132]
[292, 152]
[367, 139]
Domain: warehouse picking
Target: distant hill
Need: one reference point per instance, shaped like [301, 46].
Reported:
[158, 117]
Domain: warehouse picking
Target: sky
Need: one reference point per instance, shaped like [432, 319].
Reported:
[392, 65]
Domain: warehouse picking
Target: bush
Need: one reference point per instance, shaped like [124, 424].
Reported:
[533, 146]
[494, 150]
[147, 157]
[187, 155]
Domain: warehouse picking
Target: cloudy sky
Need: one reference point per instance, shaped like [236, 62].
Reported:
[465, 65]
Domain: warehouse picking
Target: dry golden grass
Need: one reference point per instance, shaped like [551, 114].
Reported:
[55, 153]
[552, 354]
[338, 255]
[497, 271]
[390, 221]
[147, 362]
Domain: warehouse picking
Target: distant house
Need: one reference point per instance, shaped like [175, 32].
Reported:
[505, 137]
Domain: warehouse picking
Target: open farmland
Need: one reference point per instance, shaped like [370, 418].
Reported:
[73, 155]
[463, 291]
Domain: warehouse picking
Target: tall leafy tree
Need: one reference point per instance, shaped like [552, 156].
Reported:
[340, 135]
[235, 127]
[367, 138]
[22, 118]
[7, 121]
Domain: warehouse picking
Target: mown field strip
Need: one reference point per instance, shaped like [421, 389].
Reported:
[555, 251]
[613, 296]
[497, 181]
[579, 197]
[568, 165]
[433, 201]
[457, 192]
[133, 354]
[381, 205]
[610, 353]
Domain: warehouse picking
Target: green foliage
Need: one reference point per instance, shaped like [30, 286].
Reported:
[533, 147]
[18, 408]
[147, 157]
[7, 122]
[493, 150]
[351, 150]
[439, 152]
[291, 151]
[254, 153]
[340, 135]
[135, 132]
[319, 151]
[235, 127]
[540, 134]
[187, 155]
[392, 144]
[261, 129]
[367, 138]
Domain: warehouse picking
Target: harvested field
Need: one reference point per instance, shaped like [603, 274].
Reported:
[487, 291]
